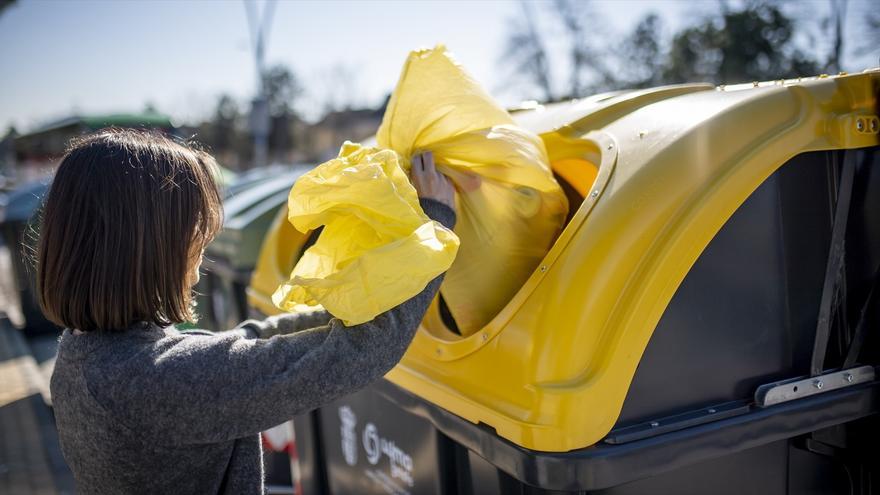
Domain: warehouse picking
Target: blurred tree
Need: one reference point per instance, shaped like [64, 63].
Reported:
[337, 88]
[282, 90]
[750, 44]
[581, 31]
[580, 23]
[746, 40]
[835, 23]
[642, 56]
[581, 28]
[5, 4]
[871, 41]
[524, 48]
[224, 133]
[694, 55]
[150, 107]
[225, 124]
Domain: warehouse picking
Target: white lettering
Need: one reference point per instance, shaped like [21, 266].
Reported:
[348, 420]
[376, 446]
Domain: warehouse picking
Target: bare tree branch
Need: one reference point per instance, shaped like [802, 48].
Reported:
[525, 49]
[837, 18]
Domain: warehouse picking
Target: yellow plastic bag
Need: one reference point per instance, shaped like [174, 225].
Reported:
[510, 208]
[372, 254]
[377, 249]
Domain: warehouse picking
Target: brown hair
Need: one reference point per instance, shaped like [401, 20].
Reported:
[123, 226]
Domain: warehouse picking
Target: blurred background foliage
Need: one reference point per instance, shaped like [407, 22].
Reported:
[731, 42]
[560, 49]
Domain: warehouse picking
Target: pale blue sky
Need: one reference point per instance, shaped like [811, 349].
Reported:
[59, 57]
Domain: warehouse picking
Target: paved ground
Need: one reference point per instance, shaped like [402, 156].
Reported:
[30, 457]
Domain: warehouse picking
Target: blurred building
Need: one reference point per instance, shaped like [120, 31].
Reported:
[36, 153]
[326, 136]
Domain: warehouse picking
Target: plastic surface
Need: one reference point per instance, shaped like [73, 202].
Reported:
[772, 255]
[551, 371]
[248, 213]
[281, 250]
[510, 208]
[377, 249]
[722, 450]
[227, 244]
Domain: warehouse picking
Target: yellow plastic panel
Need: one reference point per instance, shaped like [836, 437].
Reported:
[278, 255]
[552, 370]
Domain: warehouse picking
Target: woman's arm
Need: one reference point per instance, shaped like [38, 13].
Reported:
[284, 324]
[201, 388]
[429, 184]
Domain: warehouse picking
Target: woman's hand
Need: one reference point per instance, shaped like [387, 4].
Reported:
[429, 183]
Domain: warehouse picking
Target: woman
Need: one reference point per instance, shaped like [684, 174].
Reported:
[142, 407]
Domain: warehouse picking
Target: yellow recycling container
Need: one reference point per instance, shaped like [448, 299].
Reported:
[652, 177]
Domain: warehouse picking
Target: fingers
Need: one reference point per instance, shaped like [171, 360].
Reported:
[428, 162]
[423, 163]
[429, 182]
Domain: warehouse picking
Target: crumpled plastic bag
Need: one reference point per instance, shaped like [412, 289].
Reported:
[509, 207]
[377, 249]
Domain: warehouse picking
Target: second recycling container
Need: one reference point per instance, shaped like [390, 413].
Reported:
[231, 256]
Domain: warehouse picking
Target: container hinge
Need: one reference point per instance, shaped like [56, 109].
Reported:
[677, 422]
[798, 388]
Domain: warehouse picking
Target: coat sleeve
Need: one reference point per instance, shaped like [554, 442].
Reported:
[212, 388]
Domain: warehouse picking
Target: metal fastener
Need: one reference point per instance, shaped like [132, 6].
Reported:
[543, 268]
[848, 377]
[860, 125]
[873, 125]
[594, 193]
[654, 424]
[485, 337]
[610, 146]
[818, 384]
[711, 410]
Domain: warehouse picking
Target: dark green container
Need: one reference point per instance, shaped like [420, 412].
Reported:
[231, 257]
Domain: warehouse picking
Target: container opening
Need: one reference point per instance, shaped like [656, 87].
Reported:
[572, 162]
